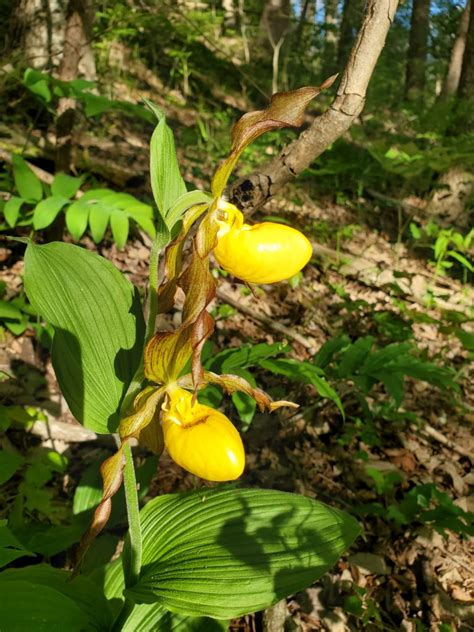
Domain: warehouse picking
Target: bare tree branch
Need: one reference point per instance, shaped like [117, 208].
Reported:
[255, 190]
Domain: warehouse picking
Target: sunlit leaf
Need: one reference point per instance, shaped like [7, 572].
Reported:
[98, 327]
[166, 181]
[228, 552]
[47, 210]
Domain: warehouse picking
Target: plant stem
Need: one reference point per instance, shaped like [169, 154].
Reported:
[132, 558]
[132, 562]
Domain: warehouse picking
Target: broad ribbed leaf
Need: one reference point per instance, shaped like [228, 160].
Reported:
[183, 203]
[224, 553]
[147, 617]
[41, 598]
[98, 325]
[27, 606]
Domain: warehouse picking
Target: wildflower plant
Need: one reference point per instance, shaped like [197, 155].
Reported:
[220, 552]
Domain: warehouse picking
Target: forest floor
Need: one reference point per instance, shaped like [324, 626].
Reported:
[408, 576]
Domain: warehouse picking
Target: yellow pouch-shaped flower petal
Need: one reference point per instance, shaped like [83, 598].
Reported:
[262, 253]
[201, 439]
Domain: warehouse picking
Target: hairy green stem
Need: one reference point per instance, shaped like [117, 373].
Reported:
[134, 561]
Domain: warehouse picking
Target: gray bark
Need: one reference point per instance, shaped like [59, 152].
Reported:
[451, 81]
[253, 191]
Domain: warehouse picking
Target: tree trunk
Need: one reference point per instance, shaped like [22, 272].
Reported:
[307, 18]
[466, 80]
[230, 14]
[417, 50]
[349, 23]
[451, 81]
[37, 31]
[253, 191]
[68, 70]
[330, 38]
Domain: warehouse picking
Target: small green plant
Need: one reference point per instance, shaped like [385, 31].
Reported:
[17, 315]
[362, 606]
[448, 244]
[38, 205]
[424, 504]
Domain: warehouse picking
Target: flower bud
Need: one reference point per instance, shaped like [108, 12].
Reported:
[262, 253]
[201, 439]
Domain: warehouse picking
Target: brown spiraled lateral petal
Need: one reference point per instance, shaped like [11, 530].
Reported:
[112, 476]
[167, 353]
[173, 258]
[144, 409]
[286, 109]
[202, 329]
[199, 286]
[231, 383]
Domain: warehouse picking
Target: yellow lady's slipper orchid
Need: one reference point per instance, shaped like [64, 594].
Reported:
[201, 439]
[262, 253]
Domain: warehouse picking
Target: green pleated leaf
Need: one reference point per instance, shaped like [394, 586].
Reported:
[154, 617]
[185, 201]
[47, 210]
[228, 552]
[98, 326]
[42, 598]
[166, 181]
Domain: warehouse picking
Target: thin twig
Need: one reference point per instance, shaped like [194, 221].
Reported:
[438, 436]
[266, 320]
